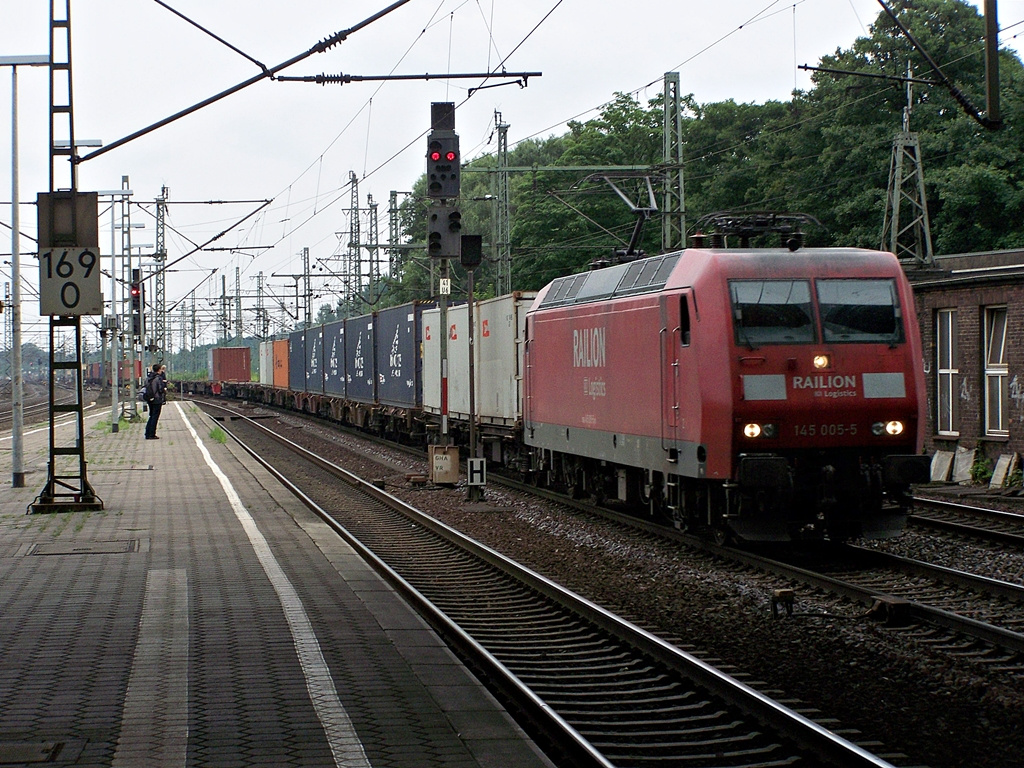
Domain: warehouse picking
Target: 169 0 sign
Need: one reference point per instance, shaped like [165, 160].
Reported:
[69, 282]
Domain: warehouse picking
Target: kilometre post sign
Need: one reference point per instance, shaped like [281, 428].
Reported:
[69, 282]
[69, 254]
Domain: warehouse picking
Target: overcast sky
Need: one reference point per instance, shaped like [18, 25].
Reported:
[135, 63]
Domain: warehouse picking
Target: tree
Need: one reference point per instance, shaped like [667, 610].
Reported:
[826, 152]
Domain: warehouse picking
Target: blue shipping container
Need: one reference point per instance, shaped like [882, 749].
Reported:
[360, 375]
[315, 359]
[297, 361]
[334, 358]
[398, 355]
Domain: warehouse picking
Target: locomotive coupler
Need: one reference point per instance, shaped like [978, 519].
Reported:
[828, 486]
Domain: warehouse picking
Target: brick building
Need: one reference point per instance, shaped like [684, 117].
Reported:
[971, 313]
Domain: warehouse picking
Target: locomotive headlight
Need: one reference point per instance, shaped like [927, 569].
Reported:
[892, 428]
[759, 430]
[822, 361]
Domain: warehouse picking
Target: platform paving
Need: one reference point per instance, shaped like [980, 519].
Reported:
[206, 618]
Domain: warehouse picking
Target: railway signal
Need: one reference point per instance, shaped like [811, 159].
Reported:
[444, 231]
[472, 251]
[136, 292]
[443, 172]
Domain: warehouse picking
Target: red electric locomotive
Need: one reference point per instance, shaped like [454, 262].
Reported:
[761, 393]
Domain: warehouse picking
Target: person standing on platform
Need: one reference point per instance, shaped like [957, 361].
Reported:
[156, 394]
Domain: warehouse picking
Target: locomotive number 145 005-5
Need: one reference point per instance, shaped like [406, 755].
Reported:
[824, 430]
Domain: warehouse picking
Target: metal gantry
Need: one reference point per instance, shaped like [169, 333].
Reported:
[67, 485]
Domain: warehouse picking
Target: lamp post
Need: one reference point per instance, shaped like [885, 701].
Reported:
[17, 384]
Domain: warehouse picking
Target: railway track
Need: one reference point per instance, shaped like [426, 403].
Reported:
[971, 521]
[35, 406]
[956, 612]
[605, 692]
[947, 610]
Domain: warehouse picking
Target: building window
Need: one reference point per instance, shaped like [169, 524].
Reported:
[947, 365]
[997, 374]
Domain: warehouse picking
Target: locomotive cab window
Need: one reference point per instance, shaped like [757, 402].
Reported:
[860, 311]
[771, 312]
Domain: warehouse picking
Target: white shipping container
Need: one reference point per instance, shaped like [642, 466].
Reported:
[267, 363]
[500, 333]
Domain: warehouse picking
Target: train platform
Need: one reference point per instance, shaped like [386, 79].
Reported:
[205, 617]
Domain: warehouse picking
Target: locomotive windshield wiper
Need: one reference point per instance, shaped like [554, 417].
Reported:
[741, 331]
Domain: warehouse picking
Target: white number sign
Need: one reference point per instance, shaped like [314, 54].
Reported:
[69, 282]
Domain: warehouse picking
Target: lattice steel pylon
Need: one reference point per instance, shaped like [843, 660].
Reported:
[353, 270]
[67, 486]
[373, 239]
[501, 220]
[906, 230]
[673, 206]
[159, 315]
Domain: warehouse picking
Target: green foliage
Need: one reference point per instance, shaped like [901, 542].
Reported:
[981, 470]
[826, 152]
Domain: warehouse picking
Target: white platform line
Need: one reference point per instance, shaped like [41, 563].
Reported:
[154, 722]
[341, 736]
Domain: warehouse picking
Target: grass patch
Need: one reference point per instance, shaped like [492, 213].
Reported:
[219, 435]
[104, 426]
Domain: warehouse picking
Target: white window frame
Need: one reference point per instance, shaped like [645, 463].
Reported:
[947, 368]
[997, 374]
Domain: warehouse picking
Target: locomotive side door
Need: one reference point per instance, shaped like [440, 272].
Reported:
[675, 335]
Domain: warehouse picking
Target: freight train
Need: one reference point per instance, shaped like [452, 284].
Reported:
[759, 394]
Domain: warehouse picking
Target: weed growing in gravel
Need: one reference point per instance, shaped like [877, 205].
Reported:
[104, 426]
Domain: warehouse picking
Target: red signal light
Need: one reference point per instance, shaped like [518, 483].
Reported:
[435, 156]
[450, 157]
[135, 290]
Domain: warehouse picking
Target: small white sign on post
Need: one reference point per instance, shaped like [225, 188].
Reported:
[476, 471]
[69, 281]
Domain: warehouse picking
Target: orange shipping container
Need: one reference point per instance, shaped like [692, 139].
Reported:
[281, 364]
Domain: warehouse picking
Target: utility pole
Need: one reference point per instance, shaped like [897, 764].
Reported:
[500, 218]
[224, 314]
[262, 321]
[394, 233]
[353, 267]
[17, 381]
[307, 288]
[135, 310]
[906, 231]
[673, 222]
[159, 316]
[373, 273]
[239, 328]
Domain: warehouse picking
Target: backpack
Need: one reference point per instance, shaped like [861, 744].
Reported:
[151, 389]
